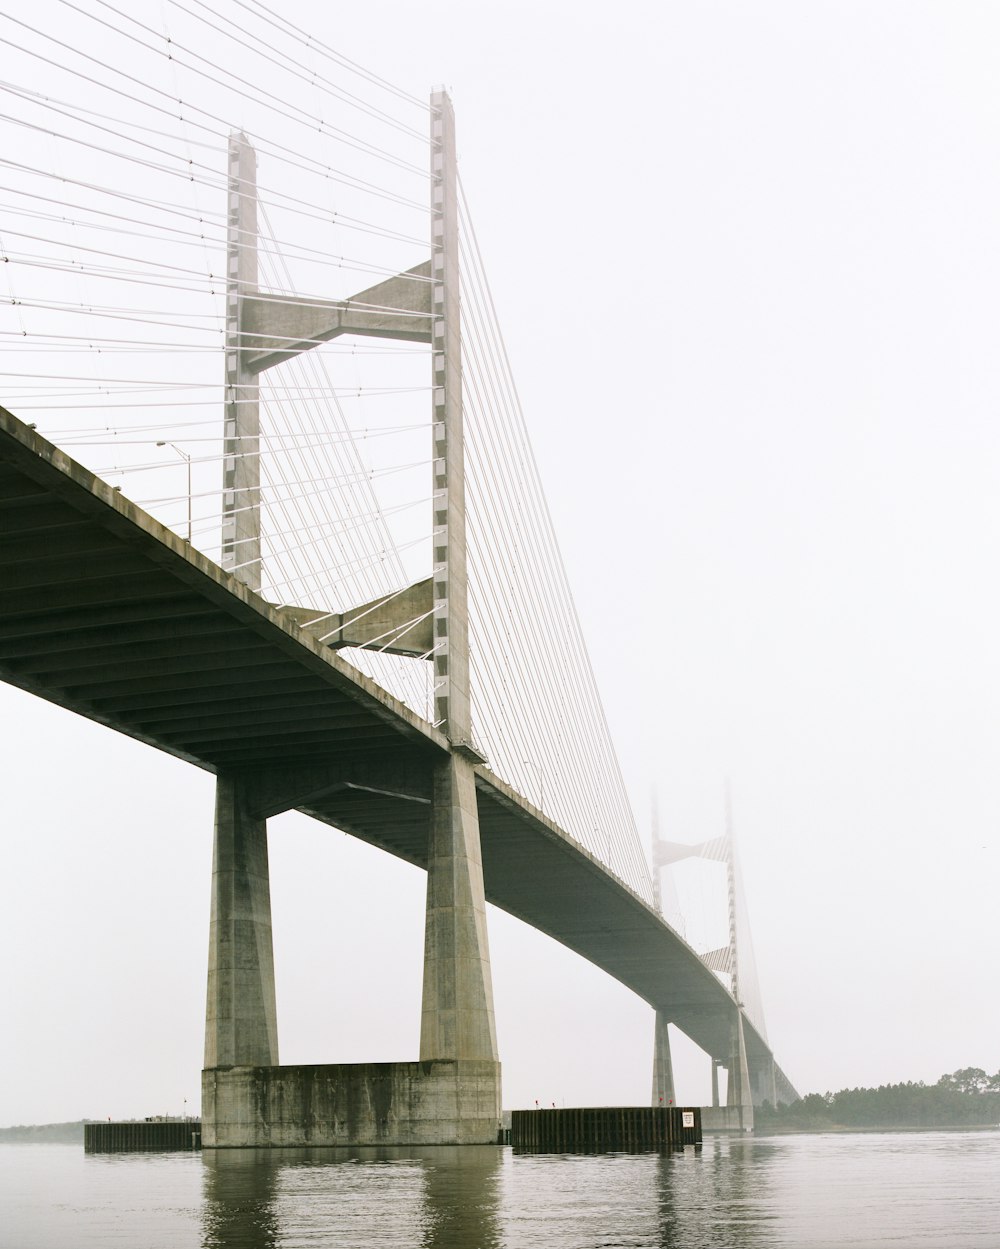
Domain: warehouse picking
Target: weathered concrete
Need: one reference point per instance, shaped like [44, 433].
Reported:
[457, 1015]
[664, 1093]
[739, 1095]
[277, 327]
[452, 706]
[441, 1100]
[270, 791]
[241, 1021]
[398, 624]
[725, 1119]
[241, 433]
[763, 1083]
[457, 1020]
[425, 1103]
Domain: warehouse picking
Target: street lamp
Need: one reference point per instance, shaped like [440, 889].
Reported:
[184, 456]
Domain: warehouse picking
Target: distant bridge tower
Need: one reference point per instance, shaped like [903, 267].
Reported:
[664, 1093]
[725, 960]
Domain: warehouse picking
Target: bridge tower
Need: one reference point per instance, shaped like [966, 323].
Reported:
[664, 1093]
[739, 1093]
[740, 1089]
[452, 1095]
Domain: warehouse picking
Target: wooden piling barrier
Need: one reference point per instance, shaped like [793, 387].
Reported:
[141, 1136]
[605, 1129]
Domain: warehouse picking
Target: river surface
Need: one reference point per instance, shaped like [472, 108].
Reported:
[919, 1190]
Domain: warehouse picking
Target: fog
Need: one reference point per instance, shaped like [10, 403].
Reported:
[746, 261]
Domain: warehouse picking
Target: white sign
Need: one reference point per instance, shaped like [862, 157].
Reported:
[687, 1118]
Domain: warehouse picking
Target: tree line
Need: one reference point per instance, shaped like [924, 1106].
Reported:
[968, 1097]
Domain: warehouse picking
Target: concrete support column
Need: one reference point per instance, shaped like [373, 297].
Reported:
[763, 1082]
[715, 1082]
[457, 1019]
[241, 1022]
[739, 1093]
[663, 1067]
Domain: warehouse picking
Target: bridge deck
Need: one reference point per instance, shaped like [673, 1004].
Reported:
[108, 613]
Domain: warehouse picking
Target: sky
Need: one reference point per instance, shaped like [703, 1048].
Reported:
[745, 259]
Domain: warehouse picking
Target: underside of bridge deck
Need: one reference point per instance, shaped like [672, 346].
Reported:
[111, 615]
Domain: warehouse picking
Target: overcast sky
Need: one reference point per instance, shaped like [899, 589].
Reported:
[746, 260]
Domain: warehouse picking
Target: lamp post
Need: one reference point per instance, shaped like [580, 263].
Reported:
[184, 456]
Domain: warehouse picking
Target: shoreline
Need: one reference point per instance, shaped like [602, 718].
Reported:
[838, 1129]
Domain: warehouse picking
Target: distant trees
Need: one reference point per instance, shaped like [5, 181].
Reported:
[971, 1080]
[44, 1134]
[964, 1097]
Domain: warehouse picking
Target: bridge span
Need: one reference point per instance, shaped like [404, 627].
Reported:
[111, 615]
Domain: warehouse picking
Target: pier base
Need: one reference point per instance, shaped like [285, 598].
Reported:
[421, 1103]
[725, 1119]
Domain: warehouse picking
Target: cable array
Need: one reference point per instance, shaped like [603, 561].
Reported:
[335, 569]
[535, 700]
[113, 290]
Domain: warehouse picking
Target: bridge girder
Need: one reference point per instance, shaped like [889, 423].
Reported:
[143, 641]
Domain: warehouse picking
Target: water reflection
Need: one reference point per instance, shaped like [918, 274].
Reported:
[461, 1196]
[870, 1191]
[716, 1197]
[440, 1197]
[240, 1210]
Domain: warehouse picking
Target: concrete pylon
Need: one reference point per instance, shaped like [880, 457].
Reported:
[664, 1093]
[763, 1081]
[241, 1026]
[241, 1019]
[452, 1095]
[457, 1019]
[715, 1082]
[457, 1014]
[241, 436]
[739, 1093]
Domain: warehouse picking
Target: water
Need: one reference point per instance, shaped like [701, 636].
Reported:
[933, 1190]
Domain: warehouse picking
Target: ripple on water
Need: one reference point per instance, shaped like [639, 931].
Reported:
[867, 1191]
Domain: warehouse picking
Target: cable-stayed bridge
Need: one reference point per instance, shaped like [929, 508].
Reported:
[269, 505]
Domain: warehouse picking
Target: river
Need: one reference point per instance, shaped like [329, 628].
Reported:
[915, 1190]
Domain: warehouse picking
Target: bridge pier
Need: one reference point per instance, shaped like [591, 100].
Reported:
[738, 1092]
[241, 1019]
[664, 1093]
[451, 1096]
[457, 1019]
[763, 1082]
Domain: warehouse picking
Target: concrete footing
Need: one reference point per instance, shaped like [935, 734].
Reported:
[421, 1103]
[722, 1119]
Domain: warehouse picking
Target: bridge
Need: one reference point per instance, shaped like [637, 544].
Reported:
[304, 696]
